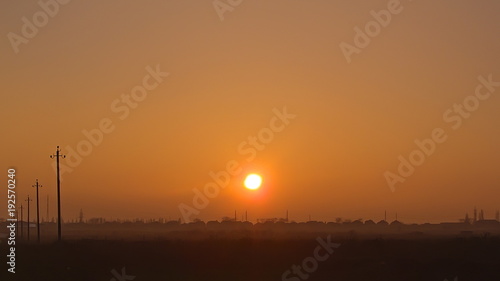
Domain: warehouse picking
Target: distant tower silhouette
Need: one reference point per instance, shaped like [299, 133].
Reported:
[475, 215]
[235, 215]
[481, 215]
[467, 219]
[246, 215]
[81, 216]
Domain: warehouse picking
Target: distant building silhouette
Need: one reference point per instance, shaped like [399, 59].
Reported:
[487, 223]
[382, 222]
[369, 222]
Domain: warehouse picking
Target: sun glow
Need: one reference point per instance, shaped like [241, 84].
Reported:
[253, 181]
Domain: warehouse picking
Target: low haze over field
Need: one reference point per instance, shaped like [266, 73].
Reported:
[343, 108]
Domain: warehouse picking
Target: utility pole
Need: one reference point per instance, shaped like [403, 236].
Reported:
[37, 210]
[57, 156]
[17, 223]
[28, 216]
[48, 208]
[22, 227]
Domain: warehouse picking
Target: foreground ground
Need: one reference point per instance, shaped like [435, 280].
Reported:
[476, 258]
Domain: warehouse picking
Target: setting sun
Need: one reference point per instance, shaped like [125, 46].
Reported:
[253, 181]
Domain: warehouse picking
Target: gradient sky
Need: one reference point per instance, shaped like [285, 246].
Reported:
[353, 119]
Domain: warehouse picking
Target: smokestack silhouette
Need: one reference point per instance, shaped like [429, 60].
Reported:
[481, 215]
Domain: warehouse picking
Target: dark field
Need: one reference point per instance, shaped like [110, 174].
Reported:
[475, 258]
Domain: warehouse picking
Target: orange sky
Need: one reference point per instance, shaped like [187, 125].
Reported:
[225, 79]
